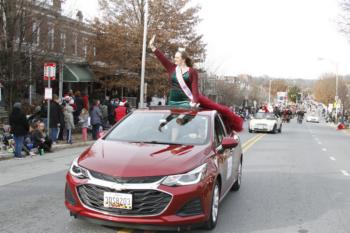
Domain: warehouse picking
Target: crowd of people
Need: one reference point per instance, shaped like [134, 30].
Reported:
[37, 132]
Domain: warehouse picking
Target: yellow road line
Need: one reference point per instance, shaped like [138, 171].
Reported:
[246, 146]
[125, 231]
[250, 140]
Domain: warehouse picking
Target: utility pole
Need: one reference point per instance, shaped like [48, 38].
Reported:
[30, 75]
[142, 86]
[60, 81]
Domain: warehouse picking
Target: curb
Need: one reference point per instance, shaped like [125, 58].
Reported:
[55, 148]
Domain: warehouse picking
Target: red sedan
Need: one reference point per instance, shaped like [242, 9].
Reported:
[162, 169]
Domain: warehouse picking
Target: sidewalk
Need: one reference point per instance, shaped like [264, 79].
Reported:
[61, 145]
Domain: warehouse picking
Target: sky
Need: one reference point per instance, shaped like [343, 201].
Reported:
[278, 38]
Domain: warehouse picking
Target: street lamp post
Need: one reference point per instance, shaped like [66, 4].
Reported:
[142, 86]
[30, 75]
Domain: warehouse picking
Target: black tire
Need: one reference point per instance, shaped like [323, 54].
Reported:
[250, 131]
[212, 221]
[235, 187]
[280, 130]
[275, 130]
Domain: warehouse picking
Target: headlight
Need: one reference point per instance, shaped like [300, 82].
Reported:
[192, 177]
[77, 171]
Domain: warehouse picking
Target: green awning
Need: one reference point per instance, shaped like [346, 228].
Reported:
[75, 73]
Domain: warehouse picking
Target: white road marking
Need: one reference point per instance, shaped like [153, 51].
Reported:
[324, 149]
[332, 158]
[345, 173]
[319, 143]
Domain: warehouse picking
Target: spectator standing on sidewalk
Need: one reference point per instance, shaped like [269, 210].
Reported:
[85, 101]
[120, 112]
[96, 119]
[104, 109]
[80, 105]
[19, 127]
[84, 121]
[69, 121]
[43, 112]
[56, 119]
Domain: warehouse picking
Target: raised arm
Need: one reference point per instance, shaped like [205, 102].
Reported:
[168, 65]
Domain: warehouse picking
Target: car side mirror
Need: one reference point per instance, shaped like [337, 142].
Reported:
[229, 142]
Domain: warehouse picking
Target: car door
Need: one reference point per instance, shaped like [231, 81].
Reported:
[225, 156]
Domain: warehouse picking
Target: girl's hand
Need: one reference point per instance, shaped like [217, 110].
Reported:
[151, 43]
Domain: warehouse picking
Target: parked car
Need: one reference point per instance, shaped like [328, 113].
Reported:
[313, 118]
[265, 122]
[157, 169]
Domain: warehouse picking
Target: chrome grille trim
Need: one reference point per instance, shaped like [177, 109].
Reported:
[145, 202]
[120, 187]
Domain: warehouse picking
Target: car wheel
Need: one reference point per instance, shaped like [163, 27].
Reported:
[280, 130]
[250, 131]
[275, 130]
[214, 209]
[237, 184]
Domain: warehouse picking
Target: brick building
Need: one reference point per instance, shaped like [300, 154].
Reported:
[44, 34]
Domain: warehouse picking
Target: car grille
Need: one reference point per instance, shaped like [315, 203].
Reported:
[145, 202]
[261, 127]
[126, 180]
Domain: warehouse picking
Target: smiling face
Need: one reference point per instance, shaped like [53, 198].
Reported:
[41, 127]
[178, 59]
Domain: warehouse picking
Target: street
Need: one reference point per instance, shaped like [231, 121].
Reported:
[297, 182]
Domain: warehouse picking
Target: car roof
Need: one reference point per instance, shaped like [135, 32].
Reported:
[180, 110]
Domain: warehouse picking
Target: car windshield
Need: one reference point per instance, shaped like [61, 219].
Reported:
[264, 115]
[162, 128]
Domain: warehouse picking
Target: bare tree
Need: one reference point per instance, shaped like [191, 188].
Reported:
[324, 89]
[119, 37]
[344, 21]
[18, 36]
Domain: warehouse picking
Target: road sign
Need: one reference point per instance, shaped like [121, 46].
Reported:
[50, 71]
[48, 93]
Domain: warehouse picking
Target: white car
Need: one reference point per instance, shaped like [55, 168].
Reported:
[312, 118]
[265, 122]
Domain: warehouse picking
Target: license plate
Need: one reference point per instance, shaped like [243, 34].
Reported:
[117, 200]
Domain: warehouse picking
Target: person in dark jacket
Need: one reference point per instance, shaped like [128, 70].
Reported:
[40, 139]
[19, 127]
[79, 102]
[43, 112]
[96, 119]
[56, 119]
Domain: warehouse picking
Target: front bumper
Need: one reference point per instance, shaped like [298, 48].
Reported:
[261, 128]
[168, 219]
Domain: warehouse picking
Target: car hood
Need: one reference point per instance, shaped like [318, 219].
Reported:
[124, 159]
